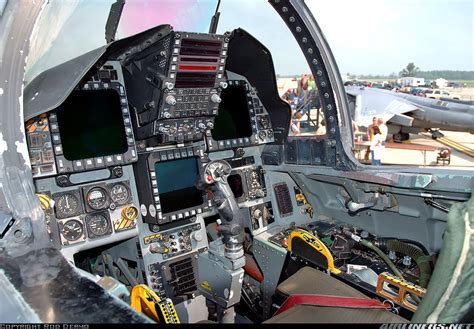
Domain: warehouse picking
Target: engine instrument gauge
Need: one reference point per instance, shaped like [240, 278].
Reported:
[120, 194]
[98, 225]
[72, 230]
[96, 198]
[67, 205]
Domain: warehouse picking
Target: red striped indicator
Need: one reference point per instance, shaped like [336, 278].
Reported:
[196, 68]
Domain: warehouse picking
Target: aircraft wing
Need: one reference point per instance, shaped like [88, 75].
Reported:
[383, 104]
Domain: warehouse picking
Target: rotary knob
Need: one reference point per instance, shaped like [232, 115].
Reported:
[257, 213]
[210, 125]
[170, 100]
[215, 98]
[223, 85]
[197, 236]
[167, 115]
[202, 125]
[155, 248]
[169, 85]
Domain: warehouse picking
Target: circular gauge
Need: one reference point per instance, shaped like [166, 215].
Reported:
[72, 230]
[97, 198]
[98, 225]
[119, 194]
[67, 205]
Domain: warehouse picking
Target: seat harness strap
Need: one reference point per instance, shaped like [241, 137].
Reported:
[329, 301]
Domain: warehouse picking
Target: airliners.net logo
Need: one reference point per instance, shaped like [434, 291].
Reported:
[425, 326]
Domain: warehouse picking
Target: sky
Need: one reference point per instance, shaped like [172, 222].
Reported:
[366, 36]
[371, 36]
[382, 36]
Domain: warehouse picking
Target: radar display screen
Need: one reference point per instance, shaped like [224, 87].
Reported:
[176, 184]
[233, 120]
[91, 124]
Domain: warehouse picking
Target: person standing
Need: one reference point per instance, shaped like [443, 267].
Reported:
[370, 136]
[303, 88]
[376, 147]
[383, 130]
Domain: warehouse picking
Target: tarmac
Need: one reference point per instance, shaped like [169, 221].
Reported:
[459, 160]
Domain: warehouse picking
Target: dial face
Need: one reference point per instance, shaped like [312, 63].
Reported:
[67, 205]
[72, 230]
[98, 225]
[97, 198]
[119, 194]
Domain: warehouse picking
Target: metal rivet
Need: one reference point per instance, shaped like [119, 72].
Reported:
[331, 118]
[298, 29]
[292, 19]
[310, 50]
[284, 9]
[304, 40]
[315, 61]
[323, 83]
[319, 73]
[333, 130]
[326, 95]
[329, 107]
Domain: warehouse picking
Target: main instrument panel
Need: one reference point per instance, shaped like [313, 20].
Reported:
[122, 157]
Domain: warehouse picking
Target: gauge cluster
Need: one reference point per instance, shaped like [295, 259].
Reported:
[94, 211]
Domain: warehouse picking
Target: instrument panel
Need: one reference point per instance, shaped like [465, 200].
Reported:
[122, 157]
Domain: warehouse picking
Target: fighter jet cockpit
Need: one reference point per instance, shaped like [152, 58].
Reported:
[170, 188]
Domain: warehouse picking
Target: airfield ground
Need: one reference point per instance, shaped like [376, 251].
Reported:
[407, 157]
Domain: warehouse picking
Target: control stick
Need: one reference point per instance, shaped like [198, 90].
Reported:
[232, 227]
[221, 267]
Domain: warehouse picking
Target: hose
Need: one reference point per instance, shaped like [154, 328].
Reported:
[379, 252]
[413, 242]
[422, 260]
[382, 255]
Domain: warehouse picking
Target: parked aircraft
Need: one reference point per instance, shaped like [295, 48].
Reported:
[405, 114]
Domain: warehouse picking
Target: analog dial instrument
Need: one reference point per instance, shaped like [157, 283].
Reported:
[96, 198]
[67, 205]
[120, 194]
[72, 230]
[98, 225]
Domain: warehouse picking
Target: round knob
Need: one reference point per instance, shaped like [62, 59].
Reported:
[210, 125]
[257, 213]
[166, 115]
[169, 85]
[155, 248]
[163, 129]
[186, 127]
[170, 100]
[197, 236]
[223, 85]
[215, 98]
[202, 125]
